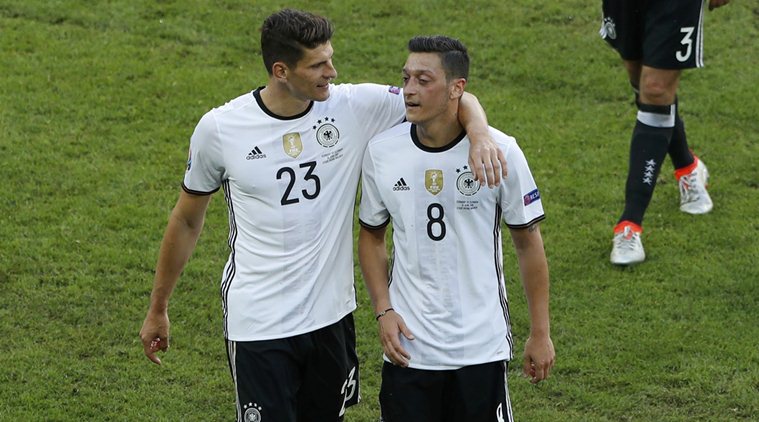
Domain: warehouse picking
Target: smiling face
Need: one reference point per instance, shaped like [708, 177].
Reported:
[427, 92]
[309, 79]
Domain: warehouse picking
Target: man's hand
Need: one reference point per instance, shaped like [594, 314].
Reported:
[538, 358]
[391, 326]
[713, 4]
[155, 335]
[487, 162]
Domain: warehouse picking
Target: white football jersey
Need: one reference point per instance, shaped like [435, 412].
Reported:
[290, 186]
[447, 273]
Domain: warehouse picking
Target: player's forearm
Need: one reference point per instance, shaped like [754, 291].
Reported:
[533, 268]
[176, 247]
[537, 292]
[373, 259]
[473, 118]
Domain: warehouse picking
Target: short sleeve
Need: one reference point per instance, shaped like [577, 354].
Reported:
[204, 164]
[520, 197]
[378, 107]
[372, 212]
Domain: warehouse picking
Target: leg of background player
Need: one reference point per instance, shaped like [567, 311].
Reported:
[650, 142]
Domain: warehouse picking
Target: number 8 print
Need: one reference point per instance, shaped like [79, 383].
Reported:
[435, 220]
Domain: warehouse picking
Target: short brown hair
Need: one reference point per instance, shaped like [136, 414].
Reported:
[287, 33]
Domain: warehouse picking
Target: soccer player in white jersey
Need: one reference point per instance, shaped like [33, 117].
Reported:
[288, 158]
[442, 309]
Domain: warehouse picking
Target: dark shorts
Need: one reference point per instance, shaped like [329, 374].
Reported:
[311, 377]
[477, 393]
[664, 34]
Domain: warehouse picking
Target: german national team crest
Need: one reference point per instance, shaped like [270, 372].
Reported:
[608, 29]
[252, 413]
[292, 144]
[465, 183]
[327, 134]
[433, 181]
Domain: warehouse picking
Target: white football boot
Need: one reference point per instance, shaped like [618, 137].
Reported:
[694, 199]
[627, 248]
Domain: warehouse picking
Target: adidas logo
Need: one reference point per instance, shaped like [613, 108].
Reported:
[255, 154]
[401, 185]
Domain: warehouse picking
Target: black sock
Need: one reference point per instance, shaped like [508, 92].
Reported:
[648, 148]
[678, 147]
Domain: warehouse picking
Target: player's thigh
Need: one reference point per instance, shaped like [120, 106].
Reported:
[266, 378]
[411, 395]
[479, 393]
[622, 27]
[674, 34]
[331, 376]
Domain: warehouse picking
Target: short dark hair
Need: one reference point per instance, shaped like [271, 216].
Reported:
[285, 34]
[453, 53]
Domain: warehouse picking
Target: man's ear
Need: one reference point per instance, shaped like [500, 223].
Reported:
[279, 71]
[457, 88]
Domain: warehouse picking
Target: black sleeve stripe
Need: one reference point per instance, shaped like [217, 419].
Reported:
[196, 192]
[370, 227]
[524, 226]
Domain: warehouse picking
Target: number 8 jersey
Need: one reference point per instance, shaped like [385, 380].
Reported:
[290, 186]
[446, 279]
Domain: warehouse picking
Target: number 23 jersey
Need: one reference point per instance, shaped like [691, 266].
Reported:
[290, 186]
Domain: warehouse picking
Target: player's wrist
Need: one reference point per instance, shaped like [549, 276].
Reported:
[383, 313]
[540, 335]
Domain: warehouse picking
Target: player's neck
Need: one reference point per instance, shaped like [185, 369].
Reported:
[439, 132]
[281, 102]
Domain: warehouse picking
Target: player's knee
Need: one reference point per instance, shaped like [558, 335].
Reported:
[657, 91]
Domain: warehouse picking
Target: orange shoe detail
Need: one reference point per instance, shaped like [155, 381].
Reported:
[620, 227]
[684, 171]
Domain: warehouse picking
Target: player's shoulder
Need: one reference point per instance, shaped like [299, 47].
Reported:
[233, 106]
[507, 143]
[401, 130]
[349, 90]
[502, 139]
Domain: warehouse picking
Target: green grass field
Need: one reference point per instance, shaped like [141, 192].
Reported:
[97, 103]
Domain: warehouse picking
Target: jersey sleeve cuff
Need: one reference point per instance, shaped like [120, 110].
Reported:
[368, 226]
[197, 192]
[524, 226]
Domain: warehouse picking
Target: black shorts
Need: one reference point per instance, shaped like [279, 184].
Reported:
[477, 393]
[311, 377]
[664, 34]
